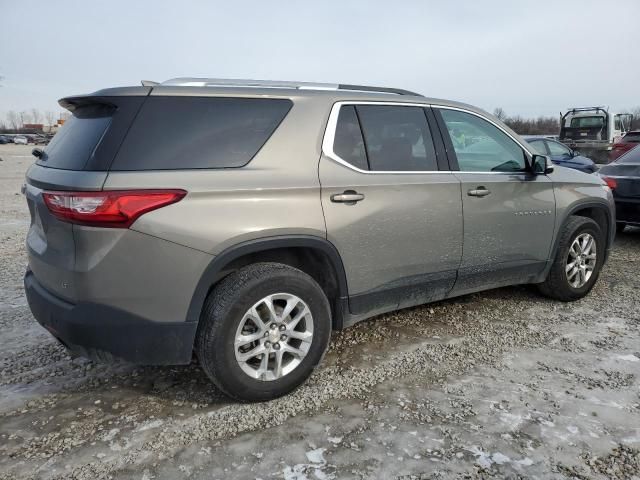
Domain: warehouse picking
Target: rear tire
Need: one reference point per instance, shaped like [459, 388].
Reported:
[562, 283]
[248, 344]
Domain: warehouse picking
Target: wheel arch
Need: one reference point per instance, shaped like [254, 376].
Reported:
[598, 211]
[315, 256]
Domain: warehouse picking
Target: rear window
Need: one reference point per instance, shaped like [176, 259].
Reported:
[72, 147]
[632, 137]
[172, 133]
[632, 156]
[587, 122]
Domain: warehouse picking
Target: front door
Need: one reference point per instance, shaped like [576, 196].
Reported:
[509, 214]
[394, 218]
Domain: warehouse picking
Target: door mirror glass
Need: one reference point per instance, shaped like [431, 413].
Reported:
[540, 164]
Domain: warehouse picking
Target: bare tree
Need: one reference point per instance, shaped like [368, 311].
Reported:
[14, 120]
[50, 117]
[499, 113]
[24, 118]
[635, 123]
[36, 115]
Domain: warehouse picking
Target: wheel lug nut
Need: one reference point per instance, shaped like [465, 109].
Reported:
[266, 334]
[273, 326]
[283, 328]
[276, 346]
[283, 337]
[267, 344]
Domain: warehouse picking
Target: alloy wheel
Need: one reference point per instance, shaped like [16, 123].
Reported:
[274, 336]
[581, 261]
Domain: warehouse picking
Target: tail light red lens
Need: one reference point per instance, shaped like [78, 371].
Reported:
[611, 182]
[114, 209]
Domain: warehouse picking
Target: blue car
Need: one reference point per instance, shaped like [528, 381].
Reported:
[562, 155]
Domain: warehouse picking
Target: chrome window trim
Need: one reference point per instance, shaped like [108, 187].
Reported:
[330, 132]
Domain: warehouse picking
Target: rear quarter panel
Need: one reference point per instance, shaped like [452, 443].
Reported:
[575, 190]
[277, 193]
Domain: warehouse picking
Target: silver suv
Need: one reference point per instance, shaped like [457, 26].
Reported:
[244, 221]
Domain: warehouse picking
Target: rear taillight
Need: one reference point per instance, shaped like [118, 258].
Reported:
[114, 209]
[611, 183]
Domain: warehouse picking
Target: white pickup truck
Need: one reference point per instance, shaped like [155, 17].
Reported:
[593, 130]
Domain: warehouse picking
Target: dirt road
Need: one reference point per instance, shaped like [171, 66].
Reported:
[504, 383]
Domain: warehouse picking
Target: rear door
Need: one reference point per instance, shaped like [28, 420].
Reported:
[395, 219]
[509, 214]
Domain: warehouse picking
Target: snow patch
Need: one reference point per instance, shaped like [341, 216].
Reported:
[309, 471]
[628, 358]
[149, 425]
[485, 460]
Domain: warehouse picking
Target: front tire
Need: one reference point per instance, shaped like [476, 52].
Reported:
[579, 259]
[263, 330]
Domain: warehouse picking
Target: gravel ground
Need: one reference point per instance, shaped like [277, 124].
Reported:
[500, 384]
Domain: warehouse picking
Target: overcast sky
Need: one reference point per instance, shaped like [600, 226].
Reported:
[529, 57]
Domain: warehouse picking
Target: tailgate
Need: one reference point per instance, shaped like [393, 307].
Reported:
[50, 243]
[77, 159]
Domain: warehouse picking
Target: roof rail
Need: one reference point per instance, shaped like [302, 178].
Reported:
[586, 109]
[231, 82]
[366, 88]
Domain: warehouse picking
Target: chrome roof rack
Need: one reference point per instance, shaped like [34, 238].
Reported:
[231, 82]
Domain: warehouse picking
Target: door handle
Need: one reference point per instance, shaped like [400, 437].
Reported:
[479, 192]
[350, 197]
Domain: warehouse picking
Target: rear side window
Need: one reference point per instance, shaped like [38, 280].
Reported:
[72, 147]
[173, 133]
[348, 143]
[397, 138]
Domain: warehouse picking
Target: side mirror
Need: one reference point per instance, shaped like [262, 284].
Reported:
[540, 164]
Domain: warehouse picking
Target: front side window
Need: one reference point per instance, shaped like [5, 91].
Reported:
[558, 149]
[397, 138]
[480, 146]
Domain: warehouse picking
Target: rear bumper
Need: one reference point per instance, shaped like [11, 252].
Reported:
[103, 333]
[628, 211]
[586, 144]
